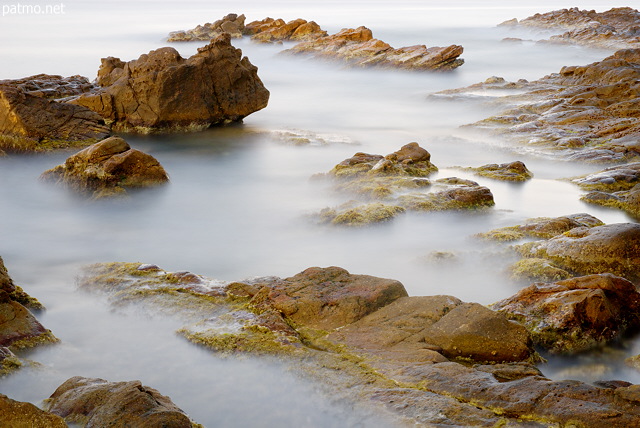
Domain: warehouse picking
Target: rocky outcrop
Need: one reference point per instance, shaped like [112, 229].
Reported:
[408, 355]
[576, 314]
[616, 28]
[542, 227]
[108, 168]
[271, 30]
[32, 121]
[231, 24]
[99, 403]
[161, 91]
[392, 184]
[358, 48]
[588, 113]
[16, 414]
[617, 187]
[512, 171]
[612, 248]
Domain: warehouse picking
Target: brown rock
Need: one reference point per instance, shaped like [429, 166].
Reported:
[17, 414]
[108, 168]
[576, 314]
[98, 403]
[52, 87]
[327, 298]
[231, 24]
[163, 91]
[358, 48]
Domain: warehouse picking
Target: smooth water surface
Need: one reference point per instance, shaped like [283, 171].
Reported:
[240, 197]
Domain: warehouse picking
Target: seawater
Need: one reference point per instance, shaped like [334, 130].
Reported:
[240, 197]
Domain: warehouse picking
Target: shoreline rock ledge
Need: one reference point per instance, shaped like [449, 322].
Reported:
[163, 92]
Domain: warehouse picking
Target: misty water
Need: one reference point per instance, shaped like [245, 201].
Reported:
[240, 197]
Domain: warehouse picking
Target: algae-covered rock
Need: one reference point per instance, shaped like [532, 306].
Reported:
[542, 227]
[512, 171]
[537, 269]
[613, 248]
[359, 215]
[108, 168]
[617, 187]
[17, 414]
[577, 314]
[99, 403]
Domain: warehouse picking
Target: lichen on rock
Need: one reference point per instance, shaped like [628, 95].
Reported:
[512, 171]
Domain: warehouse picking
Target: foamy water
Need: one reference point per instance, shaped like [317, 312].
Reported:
[239, 197]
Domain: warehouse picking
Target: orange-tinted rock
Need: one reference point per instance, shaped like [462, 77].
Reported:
[231, 24]
[17, 414]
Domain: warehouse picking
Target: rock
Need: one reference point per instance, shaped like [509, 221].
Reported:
[30, 122]
[327, 298]
[161, 91]
[231, 24]
[98, 403]
[277, 30]
[613, 248]
[108, 168]
[359, 215]
[513, 171]
[542, 227]
[17, 414]
[617, 187]
[616, 28]
[358, 48]
[576, 314]
[537, 269]
[586, 113]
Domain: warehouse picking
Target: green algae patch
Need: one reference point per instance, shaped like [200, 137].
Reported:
[366, 214]
[537, 269]
[21, 296]
[513, 171]
[504, 234]
[9, 365]
[46, 338]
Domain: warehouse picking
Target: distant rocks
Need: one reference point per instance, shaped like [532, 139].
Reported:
[31, 120]
[108, 168]
[512, 171]
[616, 28]
[231, 24]
[161, 91]
[97, 402]
[576, 314]
[358, 48]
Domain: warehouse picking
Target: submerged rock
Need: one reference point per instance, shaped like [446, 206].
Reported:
[108, 168]
[19, 414]
[357, 48]
[99, 403]
[161, 91]
[32, 121]
[616, 28]
[512, 171]
[576, 314]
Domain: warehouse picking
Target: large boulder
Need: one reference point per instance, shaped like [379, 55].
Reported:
[108, 168]
[327, 298]
[612, 248]
[99, 403]
[17, 414]
[358, 48]
[30, 121]
[161, 91]
[576, 314]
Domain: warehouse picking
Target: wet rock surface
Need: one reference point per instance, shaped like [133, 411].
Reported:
[108, 168]
[99, 403]
[512, 171]
[387, 356]
[31, 120]
[161, 91]
[19, 414]
[392, 184]
[584, 113]
[356, 47]
[616, 28]
[542, 227]
[576, 314]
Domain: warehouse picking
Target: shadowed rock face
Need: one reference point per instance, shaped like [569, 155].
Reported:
[576, 314]
[614, 29]
[108, 168]
[98, 403]
[31, 121]
[357, 48]
[161, 91]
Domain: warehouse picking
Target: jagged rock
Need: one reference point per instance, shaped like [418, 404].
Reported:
[30, 121]
[231, 24]
[617, 187]
[108, 168]
[616, 28]
[277, 30]
[612, 248]
[576, 314]
[358, 48]
[99, 403]
[162, 91]
[17, 414]
[588, 113]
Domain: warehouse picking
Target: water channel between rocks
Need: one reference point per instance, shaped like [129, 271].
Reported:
[239, 196]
